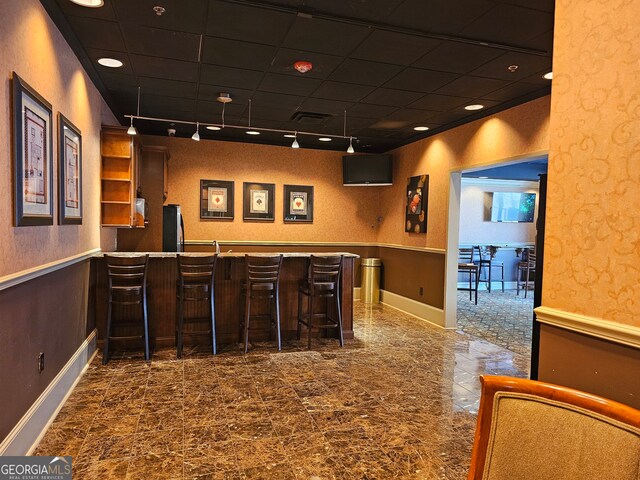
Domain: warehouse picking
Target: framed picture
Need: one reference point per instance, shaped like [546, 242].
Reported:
[417, 201]
[258, 202]
[32, 156]
[216, 200]
[69, 172]
[298, 203]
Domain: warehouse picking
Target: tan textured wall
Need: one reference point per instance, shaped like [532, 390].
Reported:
[519, 131]
[341, 214]
[32, 46]
[593, 222]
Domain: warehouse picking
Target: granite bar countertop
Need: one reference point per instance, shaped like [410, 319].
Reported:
[229, 254]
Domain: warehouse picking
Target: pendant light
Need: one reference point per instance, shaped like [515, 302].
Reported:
[295, 143]
[344, 134]
[350, 149]
[196, 135]
[132, 130]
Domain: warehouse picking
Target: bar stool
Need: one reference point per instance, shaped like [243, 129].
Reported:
[127, 286]
[466, 265]
[263, 281]
[323, 282]
[195, 284]
[487, 262]
[526, 267]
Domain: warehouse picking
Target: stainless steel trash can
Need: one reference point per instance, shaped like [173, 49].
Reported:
[370, 283]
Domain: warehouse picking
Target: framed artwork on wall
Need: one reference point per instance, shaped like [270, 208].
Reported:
[216, 200]
[416, 206]
[69, 172]
[258, 201]
[298, 203]
[32, 145]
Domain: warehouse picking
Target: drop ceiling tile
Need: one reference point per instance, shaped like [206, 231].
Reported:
[419, 80]
[277, 100]
[100, 34]
[447, 117]
[233, 53]
[347, 92]
[324, 36]
[323, 64]
[171, 104]
[170, 88]
[364, 72]
[391, 47]
[513, 91]
[288, 84]
[527, 66]
[457, 57]
[165, 43]
[117, 80]
[176, 17]
[409, 115]
[440, 103]
[510, 24]
[473, 87]
[232, 77]
[395, 98]
[438, 16]
[247, 23]
[164, 68]
[543, 5]
[376, 10]
[538, 78]
[370, 111]
[325, 106]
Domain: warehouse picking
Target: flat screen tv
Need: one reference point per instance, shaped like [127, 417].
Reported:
[367, 170]
[513, 207]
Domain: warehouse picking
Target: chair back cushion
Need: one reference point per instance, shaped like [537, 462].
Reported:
[537, 438]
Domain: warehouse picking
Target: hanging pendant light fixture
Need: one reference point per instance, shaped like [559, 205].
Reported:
[196, 135]
[344, 134]
[132, 130]
[295, 143]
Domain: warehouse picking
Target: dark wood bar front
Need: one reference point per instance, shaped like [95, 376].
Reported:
[229, 301]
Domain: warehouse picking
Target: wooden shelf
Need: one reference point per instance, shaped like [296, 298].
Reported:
[116, 202]
[118, 175]
[118, 157]
[116, 179]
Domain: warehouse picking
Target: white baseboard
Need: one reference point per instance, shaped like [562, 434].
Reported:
[495, 286]
[26, 435]
[412, 307]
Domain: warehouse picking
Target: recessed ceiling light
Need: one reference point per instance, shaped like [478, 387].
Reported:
[421, 129]
[110, 62]
[253, 132]
[474, 107]
[89, 3]
[548, 76]
[324, 139]
[289, 135]
[213, 127]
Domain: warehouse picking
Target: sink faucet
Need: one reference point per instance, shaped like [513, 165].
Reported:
[217, 245]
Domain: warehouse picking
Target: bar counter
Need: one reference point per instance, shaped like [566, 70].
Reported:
[229, 301]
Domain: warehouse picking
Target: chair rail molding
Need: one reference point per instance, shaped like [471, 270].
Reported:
[595, 327]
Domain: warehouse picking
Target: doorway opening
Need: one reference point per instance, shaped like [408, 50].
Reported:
[493, 216]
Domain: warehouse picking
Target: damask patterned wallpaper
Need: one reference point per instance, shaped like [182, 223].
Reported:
[592, 246]
[32, 46]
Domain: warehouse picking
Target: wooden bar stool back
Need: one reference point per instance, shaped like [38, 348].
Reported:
[323, 283]
[127, 287]
[195, 284]
[263, 281]
[467, 266]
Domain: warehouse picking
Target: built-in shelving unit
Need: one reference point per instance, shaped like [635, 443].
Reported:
[119, 167]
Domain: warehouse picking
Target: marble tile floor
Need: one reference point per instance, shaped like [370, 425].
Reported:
[502, 318]
[399, 402]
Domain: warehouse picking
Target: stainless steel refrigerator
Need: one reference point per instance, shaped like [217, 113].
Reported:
[172, 229]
